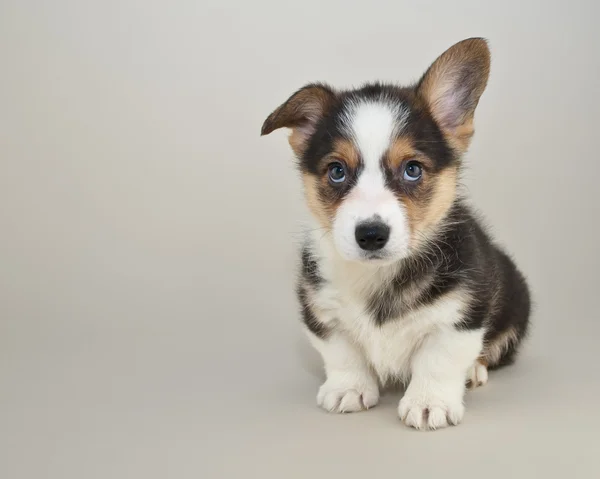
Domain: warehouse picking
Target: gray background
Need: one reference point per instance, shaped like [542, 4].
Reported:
[148, 326]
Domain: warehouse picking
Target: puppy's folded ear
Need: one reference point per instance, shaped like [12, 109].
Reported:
[301, 112]
[452, 86]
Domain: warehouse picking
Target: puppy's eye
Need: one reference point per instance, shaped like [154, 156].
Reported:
[337, 172]
[413, 171]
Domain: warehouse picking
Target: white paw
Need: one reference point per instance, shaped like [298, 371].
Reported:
[477, 375]
[334, 396]
[430, 412]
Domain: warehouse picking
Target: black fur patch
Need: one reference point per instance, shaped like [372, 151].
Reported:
[310, 268]
[513, 310]
[308, 316]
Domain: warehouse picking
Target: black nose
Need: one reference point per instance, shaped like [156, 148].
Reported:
[372, 236]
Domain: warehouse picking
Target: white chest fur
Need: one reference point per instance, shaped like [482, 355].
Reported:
[343, 303]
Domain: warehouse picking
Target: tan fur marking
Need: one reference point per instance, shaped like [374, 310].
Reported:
[460, 137]
[424, 214]
[494, 350]
[345, 150]
[311, 191]
[414, 213]
[402, 149]
[297, 141]
[443, 197]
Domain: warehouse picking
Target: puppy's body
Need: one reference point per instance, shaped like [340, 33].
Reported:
[399, 281]
[458, 279]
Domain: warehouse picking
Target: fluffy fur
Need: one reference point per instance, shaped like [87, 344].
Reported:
[399, 281]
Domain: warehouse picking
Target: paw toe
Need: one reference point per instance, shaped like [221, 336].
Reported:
[341, 399]
[437, 418]
[429, 414]
[351, 401]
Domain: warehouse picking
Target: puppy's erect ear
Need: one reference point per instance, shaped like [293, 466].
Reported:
[301, 112]
[452, 86]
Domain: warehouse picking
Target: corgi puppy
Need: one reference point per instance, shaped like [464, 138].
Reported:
[399, 281]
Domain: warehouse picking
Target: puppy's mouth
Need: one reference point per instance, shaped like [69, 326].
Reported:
[377, 258]
[374, 256]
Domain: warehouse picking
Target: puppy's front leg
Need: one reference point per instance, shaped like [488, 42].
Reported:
[434, 397]
[350, 385]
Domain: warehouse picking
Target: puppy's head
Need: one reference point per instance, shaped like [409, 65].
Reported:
[380, 163]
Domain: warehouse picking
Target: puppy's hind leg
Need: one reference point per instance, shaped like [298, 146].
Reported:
[477, 375]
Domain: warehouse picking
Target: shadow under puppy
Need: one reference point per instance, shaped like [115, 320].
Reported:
[399, 281]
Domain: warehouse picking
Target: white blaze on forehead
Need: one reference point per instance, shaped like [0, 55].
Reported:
[372, 125]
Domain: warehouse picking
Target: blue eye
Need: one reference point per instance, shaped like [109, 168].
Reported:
[337, 173]
[413, 171]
